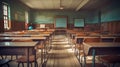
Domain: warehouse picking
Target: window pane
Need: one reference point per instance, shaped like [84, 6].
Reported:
[5, 18]
[5, 12]
[5, 25]
[5, 7]
[5, 21]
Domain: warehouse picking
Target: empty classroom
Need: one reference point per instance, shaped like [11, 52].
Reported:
[59, 33]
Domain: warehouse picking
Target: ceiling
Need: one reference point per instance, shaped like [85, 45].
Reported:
[96, 4]
[75, 5]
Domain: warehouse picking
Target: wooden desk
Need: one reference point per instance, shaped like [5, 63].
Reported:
[80, 39]
[17, 48]
[34, 36]
[22, 38]
[25, 35]
[100, 48]
[39, 39]
[107, 39]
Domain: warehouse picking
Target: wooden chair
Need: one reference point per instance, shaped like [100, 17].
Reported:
[23, 59]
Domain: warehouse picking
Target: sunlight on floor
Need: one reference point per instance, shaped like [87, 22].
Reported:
[70, 50]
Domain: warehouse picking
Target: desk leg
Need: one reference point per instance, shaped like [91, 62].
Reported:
[35, 58]
[42, 57]
[93, 60]
[27, 57]
[84, 64]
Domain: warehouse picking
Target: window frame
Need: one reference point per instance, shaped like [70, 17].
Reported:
[5, 16]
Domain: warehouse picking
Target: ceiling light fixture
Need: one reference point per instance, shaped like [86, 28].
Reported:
[61, 7]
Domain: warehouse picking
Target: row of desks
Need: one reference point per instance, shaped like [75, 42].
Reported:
[76, 36]
[78, 33]
[97, 48]
[7, 47]
[101, 49]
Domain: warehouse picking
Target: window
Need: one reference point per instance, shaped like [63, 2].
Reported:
[5, 16]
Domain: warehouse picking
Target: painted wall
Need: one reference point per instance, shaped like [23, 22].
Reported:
[111, 12]
[0, 10]
[108, 13]
[18, 10]
[17, 13]
[40, 16]
[92, 17]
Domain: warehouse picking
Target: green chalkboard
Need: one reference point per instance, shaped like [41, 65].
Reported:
[79, 22]
[61, 23]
